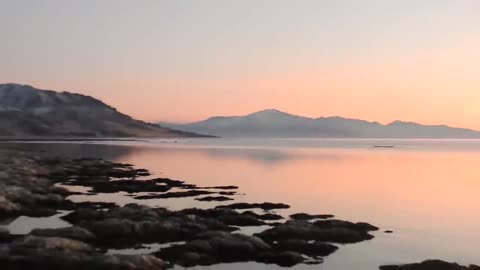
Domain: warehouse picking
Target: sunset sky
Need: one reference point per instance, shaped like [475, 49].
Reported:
[185, 60]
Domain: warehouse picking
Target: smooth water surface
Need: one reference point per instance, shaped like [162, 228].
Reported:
[426, 191]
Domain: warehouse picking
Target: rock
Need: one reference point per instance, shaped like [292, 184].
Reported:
[9, 208]
[214, 199]
[220, 187]
[335, 231]
[268, 216]
[127, 262]
[284, 259]
[33, 245]
[5, 235]
[56, 253]
[335, 223]
[94, 205]
[76, 233]
[227, 216]
[264, 206]
[220, 247]
[388, 231]
[227, 193]
[129, 186]
[430, 265]
[304, 216]
[82, 214]
[178, 194]
[132, 224]
[314, 249]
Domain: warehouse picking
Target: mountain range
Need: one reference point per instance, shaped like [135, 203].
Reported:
[29, 112]
[277, 124]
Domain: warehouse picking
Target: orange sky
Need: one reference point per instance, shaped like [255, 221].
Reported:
[185, 62]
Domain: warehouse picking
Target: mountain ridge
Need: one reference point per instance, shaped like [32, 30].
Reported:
[276, 123]
[26, 111]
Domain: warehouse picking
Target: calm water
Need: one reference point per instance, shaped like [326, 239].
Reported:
[424, 190]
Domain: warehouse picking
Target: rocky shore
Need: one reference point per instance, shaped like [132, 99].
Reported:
[30, 186]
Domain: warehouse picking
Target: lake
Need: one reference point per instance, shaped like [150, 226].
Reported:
[426, 191]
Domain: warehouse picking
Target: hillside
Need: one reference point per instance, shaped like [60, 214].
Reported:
[29, 112]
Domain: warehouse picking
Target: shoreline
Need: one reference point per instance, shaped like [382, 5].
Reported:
[202, 236]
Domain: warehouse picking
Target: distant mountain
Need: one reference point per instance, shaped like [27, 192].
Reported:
[28, 112]
[274, 123]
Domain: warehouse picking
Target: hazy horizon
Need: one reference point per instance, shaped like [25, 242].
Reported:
[184, 61]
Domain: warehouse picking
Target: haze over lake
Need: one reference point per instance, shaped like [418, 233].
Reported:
[426, 191]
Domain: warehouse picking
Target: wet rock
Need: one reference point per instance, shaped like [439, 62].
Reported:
[334, 231]
[178, 194]
[95, 205]
[129, 186]
[335, 223]
[82, 214]
[84, 169]
[430, 265]
[227, 216]
[214, 199]
[33, 245]
[267, 216]
[220, 187]
[227, 193]
[56, 253]
[220, 247]
[76, 233]
[9, 208]
[5, 235]
[264, 206]
[312, 249]
[284, 259]
[304, 216]
[133, 224]
[128, 262]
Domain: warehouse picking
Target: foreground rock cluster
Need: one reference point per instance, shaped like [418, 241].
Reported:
[28, 186]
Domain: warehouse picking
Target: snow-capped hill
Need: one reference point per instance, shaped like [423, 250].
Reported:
[275, 123]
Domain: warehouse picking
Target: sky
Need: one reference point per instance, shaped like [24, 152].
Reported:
[183, 61]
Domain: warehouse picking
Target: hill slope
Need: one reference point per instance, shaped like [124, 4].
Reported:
[29, 112]
[274, 123]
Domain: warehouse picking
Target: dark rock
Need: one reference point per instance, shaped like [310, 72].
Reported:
[335, 223]
[82, 214]
[228, 216]
[214, 199]
[304, 216]
[388, 231]
[267, 216]
[55, 253]
[5, 235]
[96, 205]
[264, 206]
[132, 224]
[315, 249]
[284, 259]
[76, 233]
[334, 231]
[129, 186]
[178, 194]
[32, 246]
[430, 265]
[220, 187]
[220, 247]
[227, 193]
[127, 262]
